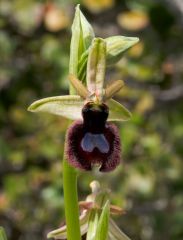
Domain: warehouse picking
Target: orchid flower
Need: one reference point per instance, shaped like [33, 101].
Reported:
[90, 140]
[92, 211]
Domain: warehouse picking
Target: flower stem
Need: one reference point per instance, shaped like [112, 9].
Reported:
[71, 201]
[71, 196]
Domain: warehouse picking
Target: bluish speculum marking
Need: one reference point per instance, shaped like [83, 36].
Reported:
[91, 141]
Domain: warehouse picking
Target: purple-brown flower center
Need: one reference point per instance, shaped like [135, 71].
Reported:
[95, 117]
[93, 140]
[94, 121]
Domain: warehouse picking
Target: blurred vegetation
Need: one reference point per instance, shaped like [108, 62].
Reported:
[34, 50]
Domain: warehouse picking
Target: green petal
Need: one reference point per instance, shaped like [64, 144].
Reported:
[2, 234]
[79, 87]
[102, 228]
[116, 46]
[67, 106]
[117, 112]
[112, 89]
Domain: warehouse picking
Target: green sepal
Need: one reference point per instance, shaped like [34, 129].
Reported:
[92, 224]
[70, 106]
[103, 224]
[115, 233]
[116, 46]
[2, 234]
[96, 66]
[117, 112]
[66, 106]
[61, 233]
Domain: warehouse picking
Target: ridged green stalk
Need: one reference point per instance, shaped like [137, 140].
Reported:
[69, 173]
[71, 201]
[71, 198]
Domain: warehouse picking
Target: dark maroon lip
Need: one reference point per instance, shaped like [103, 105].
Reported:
[93, 140]
[105, 152]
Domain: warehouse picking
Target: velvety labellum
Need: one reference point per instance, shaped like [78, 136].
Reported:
[93, 140]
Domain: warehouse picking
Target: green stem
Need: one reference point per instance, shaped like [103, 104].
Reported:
[71, 202]
[71, 197]
[69, 173]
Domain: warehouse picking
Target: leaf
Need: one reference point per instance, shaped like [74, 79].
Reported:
[67, 106]
[102, 228]
[92, 224]
[2, 234]
[82, 66]
[87, 31]
[82, 35]
[117, 112]
[96, 67]
[117, 45]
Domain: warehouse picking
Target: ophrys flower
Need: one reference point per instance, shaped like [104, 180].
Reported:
[91, 210]
[92, 139]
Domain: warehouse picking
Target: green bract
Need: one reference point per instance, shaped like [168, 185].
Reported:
[103, 223]
[88, 59]
[82, 35]
[95, 221]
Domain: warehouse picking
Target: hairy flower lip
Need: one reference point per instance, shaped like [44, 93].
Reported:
[82, 160]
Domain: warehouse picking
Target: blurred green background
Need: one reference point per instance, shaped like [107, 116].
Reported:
[34, 55]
